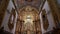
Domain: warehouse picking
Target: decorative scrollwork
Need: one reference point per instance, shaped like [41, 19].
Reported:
[45, 21]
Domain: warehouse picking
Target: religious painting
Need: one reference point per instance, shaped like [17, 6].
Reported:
[11, 19]
[45, 20]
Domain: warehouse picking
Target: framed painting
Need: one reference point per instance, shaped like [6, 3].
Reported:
[45, 20]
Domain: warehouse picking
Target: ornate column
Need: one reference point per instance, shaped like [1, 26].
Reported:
[54, 11]
[37, 27]
[18, 27]
[22, 26]
[34, 23]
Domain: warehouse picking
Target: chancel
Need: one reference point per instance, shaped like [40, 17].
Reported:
[29, 16]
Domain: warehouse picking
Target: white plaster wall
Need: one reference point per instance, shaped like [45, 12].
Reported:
[6, 18]
[10, 6]
[49, 17]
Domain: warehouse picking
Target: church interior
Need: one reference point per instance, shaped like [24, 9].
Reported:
[29, 16]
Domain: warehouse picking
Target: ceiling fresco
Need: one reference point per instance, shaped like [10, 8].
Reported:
[34, 3]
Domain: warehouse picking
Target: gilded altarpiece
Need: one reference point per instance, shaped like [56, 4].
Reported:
[45, 20]
[18, 27]
[37, 29]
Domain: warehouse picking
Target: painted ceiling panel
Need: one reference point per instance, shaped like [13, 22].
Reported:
[34, 3]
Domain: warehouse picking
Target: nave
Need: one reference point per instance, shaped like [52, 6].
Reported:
[29, 16]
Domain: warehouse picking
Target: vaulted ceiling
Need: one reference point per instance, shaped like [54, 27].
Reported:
[34, 3]
[28, 8]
